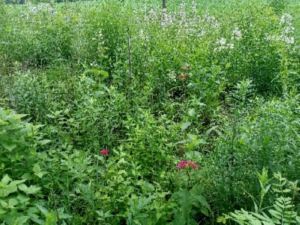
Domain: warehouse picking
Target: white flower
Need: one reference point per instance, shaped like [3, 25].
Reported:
[143, 36]
[236, 34]
[286, 19]
[172, 75]
[223, 45]
[222, 41]
[230, 46]
[194, 7]
[288, 40]
[167, 19]
[289, 29]
[153, 15]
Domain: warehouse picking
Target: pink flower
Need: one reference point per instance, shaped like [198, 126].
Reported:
[104, 152]
[187, 164]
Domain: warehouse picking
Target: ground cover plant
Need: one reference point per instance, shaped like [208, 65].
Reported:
[122, 112]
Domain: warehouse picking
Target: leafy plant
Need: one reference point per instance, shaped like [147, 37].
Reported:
[282, 210]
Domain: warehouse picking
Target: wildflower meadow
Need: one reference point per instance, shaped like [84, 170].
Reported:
[149, 112]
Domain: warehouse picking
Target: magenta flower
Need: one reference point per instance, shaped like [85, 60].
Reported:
[187, 164]
[104, 152]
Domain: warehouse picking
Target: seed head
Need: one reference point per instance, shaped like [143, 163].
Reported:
[182, 77]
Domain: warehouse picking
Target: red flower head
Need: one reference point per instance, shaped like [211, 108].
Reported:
[104, 152]
[187, 164]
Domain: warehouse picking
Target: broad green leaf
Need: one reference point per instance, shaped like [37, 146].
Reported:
[90, 81]
[51, 218]
[204, 211]
[23, 199]
[16, 182]
[37, 220]
[9, 146]
[36, 168]
[185, 125]
[104, 73]
[93, 71]
[2, 122]
[5, 180]
[193, 154]
[29, 190]
[21, 220]
[42, 209]
[3, 204]
[38, 171]
[2, 211]
[5, 188]
[12, 202]
[255, 222]
[192, 112]
[19, 116]
[185, 201]
[63, 215]
[40, 174]
[4, 192]
[43, 142]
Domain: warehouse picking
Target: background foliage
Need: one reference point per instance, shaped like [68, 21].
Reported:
[214, 83]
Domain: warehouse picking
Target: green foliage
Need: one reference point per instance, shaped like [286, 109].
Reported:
[190, 201]
[282, 211]
[18, 143]
[213, 83]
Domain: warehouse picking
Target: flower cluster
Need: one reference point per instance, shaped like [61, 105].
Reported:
[104, 152]
[222, 45]
[286, 34]
[42, 7]
[236, 34]
[288, 29]
[167, 19]
[187, 164]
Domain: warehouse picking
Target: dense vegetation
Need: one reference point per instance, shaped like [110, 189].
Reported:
[119, 112]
